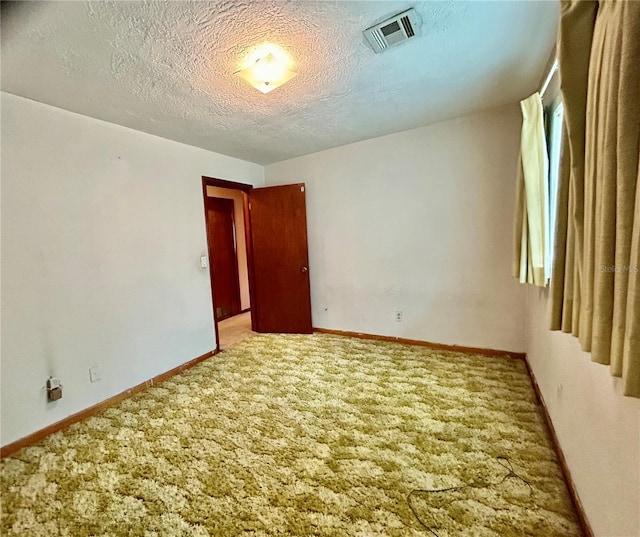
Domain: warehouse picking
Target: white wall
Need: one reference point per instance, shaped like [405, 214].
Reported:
[598, 428]
[241, 240]
[419, 221]
[102, 233]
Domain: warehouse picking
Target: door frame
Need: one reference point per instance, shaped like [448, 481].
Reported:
[246, 190]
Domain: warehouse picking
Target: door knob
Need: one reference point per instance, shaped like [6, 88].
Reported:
[304, 269]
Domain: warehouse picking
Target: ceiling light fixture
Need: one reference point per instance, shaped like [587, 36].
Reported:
[267, 73]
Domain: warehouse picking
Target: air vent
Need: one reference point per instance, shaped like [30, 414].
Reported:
[406, 24]
[393, 31]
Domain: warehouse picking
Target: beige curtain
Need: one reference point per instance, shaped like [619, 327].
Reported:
[595, 287]
[530, 261]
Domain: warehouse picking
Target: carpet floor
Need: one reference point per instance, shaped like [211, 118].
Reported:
[303, 435]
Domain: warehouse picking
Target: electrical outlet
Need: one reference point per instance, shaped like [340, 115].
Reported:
[399, 316]
[94, 373]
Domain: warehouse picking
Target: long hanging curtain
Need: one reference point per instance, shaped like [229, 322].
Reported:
[595, 287]
[531, 237]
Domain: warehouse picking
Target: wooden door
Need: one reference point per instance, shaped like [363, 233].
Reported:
[223, 258]
[281, 299]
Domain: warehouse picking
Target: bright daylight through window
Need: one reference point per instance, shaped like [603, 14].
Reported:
[554, 117]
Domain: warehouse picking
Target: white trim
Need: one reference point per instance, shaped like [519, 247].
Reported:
[547, 81]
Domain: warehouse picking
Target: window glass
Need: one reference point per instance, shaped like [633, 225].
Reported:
[554, 144]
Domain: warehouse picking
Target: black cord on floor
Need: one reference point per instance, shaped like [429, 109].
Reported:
[502, 461]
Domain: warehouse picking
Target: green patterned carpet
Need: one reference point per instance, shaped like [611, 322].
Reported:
[303, 435]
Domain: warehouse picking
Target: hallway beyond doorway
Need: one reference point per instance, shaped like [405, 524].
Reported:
[234, 330]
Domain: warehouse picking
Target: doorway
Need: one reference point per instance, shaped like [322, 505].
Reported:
[225, 204]
[269, 231]
[234, 329]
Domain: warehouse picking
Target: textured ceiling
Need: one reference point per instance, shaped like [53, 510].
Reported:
[167, 67]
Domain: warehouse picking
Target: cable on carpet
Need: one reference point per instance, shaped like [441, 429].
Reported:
[502, 461]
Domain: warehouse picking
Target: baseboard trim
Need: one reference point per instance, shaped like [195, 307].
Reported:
[573, 492]
[36, 436]
[429, 344]
[245, 310]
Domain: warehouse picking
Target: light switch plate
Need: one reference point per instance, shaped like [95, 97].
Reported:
[94, 373]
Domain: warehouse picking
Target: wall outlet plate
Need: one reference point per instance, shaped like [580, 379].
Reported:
[53, 383]
[399, 316]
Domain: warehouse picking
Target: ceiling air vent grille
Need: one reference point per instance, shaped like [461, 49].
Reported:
[393, 31]
[406, 24]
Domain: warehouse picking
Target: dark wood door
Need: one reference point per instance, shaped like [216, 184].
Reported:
[281, 297]
[223, 258]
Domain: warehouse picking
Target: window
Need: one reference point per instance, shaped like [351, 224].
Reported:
[554, 115]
